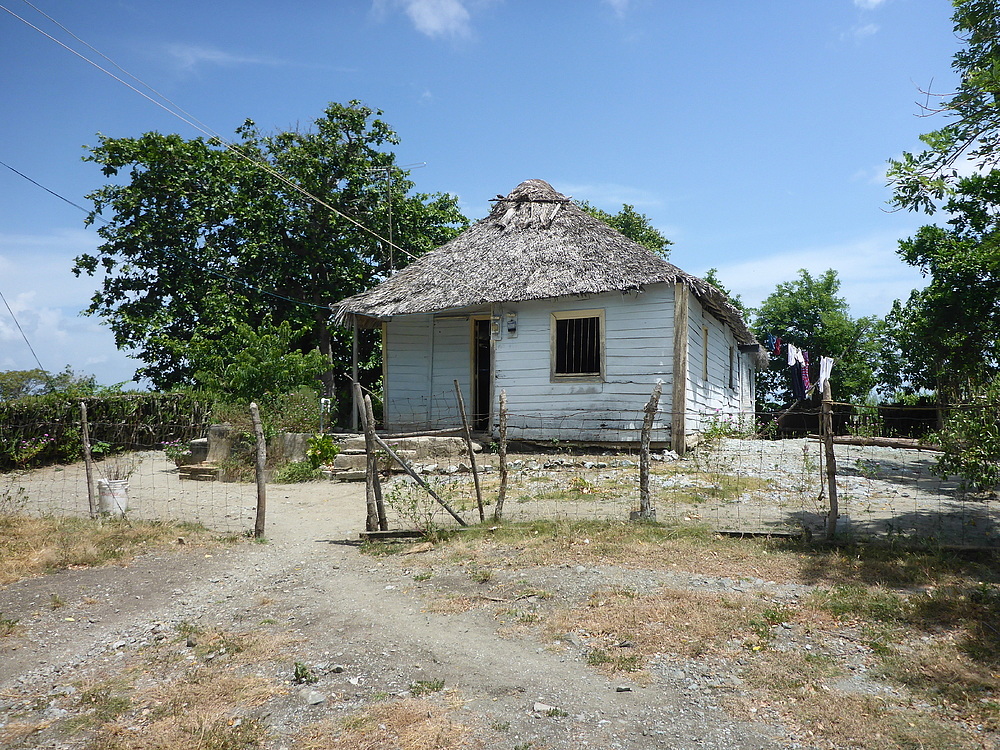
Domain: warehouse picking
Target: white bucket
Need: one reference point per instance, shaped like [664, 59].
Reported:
[112, 496]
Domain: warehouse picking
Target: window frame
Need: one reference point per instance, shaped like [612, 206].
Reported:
[577, 377]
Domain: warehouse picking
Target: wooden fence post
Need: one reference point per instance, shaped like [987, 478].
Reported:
[409, 470]
[88, 459]
[472, 453]
[646, 511]
[383, 523]
[502, 493]
[258, 429]
[371, 467]
[831, 462]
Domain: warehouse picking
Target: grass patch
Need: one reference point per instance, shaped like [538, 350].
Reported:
[409, 724]
[34, 546]
[8, 626]
[681, 622]
[426, 687]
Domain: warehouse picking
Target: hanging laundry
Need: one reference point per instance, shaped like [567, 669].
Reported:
[777, 347]
[805, 370]
[825, 368]
[769, 342]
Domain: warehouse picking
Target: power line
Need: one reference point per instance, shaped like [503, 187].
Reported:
[175, 256]
[23, 335]
[194, 124]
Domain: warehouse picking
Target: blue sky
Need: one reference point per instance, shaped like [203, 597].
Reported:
[754, 134]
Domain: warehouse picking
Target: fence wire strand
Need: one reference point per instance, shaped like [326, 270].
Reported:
[733, 482]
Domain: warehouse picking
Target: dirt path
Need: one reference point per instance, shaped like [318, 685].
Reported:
[358, 622]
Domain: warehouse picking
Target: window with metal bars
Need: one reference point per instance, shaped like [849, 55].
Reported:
[577, 344]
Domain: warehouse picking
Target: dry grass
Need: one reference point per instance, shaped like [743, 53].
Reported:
[409, 724]
[34, 546]
[924, 621]
[669, 621]
[793, 687]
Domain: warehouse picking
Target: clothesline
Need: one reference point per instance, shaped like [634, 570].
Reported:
[798, 361]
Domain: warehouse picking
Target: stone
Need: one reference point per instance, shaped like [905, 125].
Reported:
[312, 697]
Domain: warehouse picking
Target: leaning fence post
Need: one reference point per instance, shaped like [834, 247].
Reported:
[646, 511]
[831, 462]
[371, 468]
[88, 459]
[258, 429]
[383, 523]
[502, 493]
[419, 480]
[472, 453]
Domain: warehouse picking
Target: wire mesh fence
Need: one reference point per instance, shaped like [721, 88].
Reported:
[735, 481]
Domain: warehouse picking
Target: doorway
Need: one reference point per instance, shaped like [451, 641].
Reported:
[482, 373]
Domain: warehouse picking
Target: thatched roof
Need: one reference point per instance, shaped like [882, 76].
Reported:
[535, 244]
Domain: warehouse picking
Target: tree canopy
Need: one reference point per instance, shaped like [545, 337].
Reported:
[16, 384]
[204, 242]
[922, 180]
[809, 313]
[634, 225]
[947, 335]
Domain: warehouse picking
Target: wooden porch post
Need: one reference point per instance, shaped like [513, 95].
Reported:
[678, 399]
[355, 406]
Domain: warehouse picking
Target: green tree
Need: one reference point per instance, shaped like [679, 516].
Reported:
[947, 335]
[634, 225]
[809, 313]
[254, 365]
[922, 180]
[37, 382]
[712, 277]
[202, 239]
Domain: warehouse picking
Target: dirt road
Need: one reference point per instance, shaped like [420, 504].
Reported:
[361, 626]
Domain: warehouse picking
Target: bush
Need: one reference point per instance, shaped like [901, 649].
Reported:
[296, 471]
[322, 450]
[970, 440]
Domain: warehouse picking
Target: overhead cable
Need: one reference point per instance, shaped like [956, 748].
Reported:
[206, 131]
[175, 256]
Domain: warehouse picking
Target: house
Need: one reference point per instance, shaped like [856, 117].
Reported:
[572, 319]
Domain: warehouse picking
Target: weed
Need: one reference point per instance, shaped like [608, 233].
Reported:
[424, 576]
[862, 602]
[56, 602]
[500, 726]
[242, 733]
[556, 713]
[8, 626]
[303, 675]
[295, 472]
[102, 704]
[481, 575]
[425, 687]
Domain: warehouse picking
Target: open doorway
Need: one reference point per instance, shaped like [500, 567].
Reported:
[482, 373]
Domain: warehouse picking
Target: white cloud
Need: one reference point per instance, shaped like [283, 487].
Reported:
[868, 4]
[871, 274]
[864, 30]
[46, 299]
[187, 57]
[620, 7]
[433, 18]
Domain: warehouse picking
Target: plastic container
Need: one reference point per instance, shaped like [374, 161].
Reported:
[112, 496]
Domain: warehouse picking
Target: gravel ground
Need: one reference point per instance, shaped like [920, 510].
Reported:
[361, 625]
[368, 628]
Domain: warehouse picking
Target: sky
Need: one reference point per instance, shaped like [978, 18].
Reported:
[753, 133]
